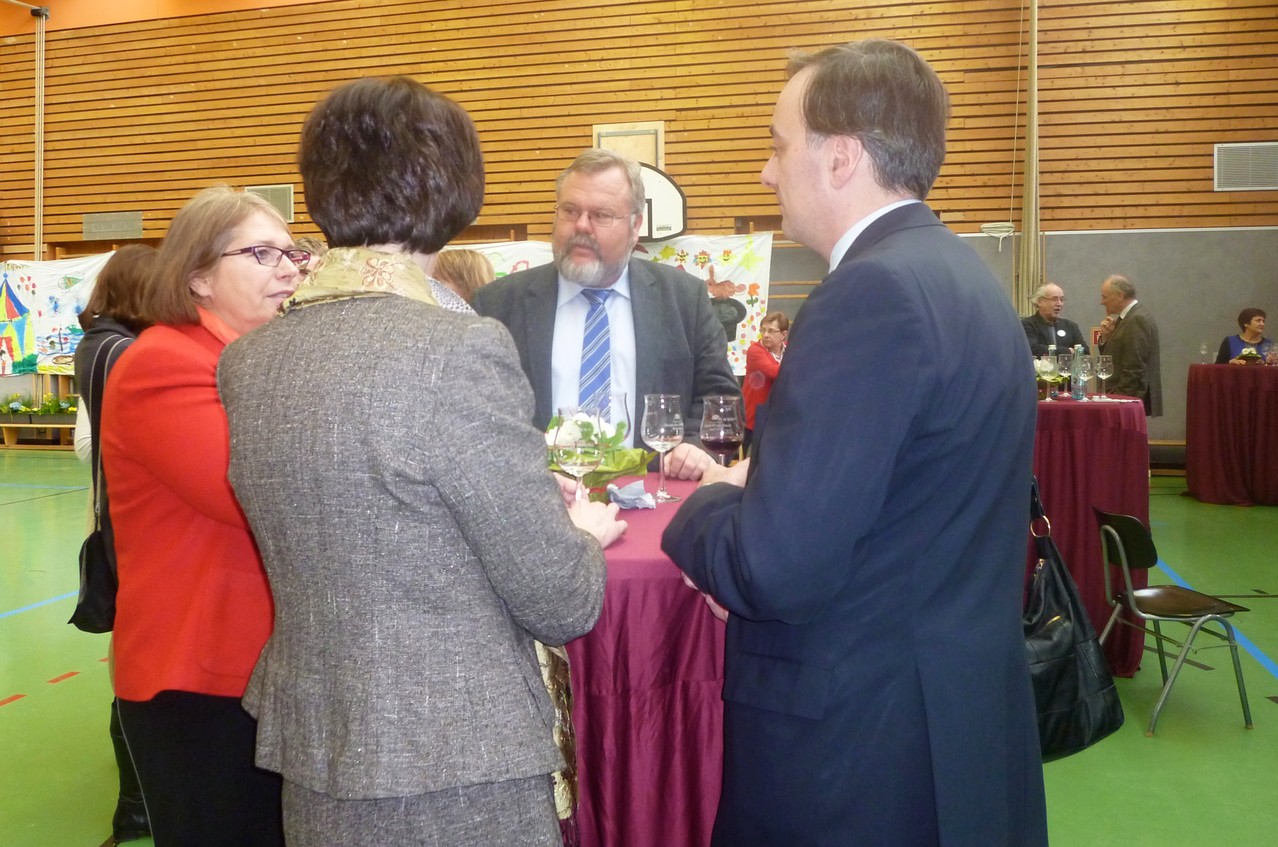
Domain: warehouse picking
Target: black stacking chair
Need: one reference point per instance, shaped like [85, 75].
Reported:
[1127, 545]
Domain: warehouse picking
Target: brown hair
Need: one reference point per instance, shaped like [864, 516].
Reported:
[390, 161]
[118, 289]
[778, 318]
[886, 96]
[196, 240]
[464, 271]
[1245, 316]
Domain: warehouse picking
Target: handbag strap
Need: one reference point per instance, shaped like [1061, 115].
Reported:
[97, 387]
[1037, 513]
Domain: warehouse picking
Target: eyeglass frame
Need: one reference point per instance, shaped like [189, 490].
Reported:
[598, 218]
[291, 253]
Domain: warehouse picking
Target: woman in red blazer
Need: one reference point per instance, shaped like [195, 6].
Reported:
[194, 607]
[763, 363]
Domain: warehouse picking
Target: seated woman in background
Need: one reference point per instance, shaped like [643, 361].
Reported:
[415, 540]
[763, 363]
[111, 321]
[1252, 323]
[463, 271]
[193, 608]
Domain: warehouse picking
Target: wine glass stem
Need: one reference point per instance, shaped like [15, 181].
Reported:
[661, 474]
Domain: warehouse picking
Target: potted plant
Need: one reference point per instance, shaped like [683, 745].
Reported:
[16, 409]
[53, 409]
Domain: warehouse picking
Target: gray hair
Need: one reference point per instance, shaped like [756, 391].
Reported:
[597, 160]
[1121, 285]
[1040, 293]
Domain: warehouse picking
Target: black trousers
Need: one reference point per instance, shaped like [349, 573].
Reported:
[194, 757]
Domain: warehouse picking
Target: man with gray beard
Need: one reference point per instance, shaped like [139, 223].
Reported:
[660, 334]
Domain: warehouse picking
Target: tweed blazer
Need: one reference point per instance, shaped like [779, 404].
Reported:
[415, 544]
[679, 343]
[1137, 373]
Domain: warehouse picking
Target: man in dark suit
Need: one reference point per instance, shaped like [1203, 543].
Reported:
[664, 336]
[1130, 335]
[872, 560]
[1046, 327]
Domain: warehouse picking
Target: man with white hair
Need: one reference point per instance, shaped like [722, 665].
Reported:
[1130, 335]
[1046, 327]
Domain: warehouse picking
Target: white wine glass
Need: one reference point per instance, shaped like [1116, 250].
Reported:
[722, 425]
[577, 448]
[663, 431]
[617, 415]
[1045, 367]
[1104, 370]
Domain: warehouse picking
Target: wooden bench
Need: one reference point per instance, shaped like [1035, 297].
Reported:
[65, 431]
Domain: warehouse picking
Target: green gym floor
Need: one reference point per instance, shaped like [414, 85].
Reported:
[1203, 779]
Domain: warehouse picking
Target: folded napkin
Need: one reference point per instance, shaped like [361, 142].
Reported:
[631, 496]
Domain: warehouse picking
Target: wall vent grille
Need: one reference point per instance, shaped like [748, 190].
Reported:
[279, 196]
[1247, 167]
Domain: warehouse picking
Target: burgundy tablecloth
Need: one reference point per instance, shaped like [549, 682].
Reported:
[647, 708]
[1094, 454]
[1231, 434]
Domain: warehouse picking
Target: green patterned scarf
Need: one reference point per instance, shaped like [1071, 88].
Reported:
[345, 273]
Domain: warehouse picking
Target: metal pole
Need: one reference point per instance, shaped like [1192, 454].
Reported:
[41, 14]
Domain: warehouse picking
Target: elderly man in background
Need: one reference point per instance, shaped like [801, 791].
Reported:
[1130, 335]
[1046, 327]
[655, 321]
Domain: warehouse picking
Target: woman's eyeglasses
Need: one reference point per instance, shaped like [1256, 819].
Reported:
[270, 256]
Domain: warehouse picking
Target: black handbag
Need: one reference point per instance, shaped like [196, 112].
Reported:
[95, 607]
[1074, 691]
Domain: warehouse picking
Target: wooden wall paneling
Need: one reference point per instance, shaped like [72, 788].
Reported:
[1132, 98]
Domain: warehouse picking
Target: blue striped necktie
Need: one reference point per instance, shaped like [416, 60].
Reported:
[595, 383]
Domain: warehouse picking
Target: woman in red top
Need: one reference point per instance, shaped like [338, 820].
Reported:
[194, 607]
[763, 363]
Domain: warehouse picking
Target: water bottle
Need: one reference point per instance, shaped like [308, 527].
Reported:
[1077, 388]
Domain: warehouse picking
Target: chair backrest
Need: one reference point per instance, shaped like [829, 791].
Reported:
[1131, 534]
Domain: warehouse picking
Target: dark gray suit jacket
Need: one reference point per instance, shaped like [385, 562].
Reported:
[679, 343]
[1065, 334]
[1137, 372]
[416, 544]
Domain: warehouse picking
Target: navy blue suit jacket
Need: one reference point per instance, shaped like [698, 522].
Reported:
[876, 684]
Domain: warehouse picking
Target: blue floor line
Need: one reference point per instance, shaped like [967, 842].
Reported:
[57, 599]
[45, 487]
[1243, 641]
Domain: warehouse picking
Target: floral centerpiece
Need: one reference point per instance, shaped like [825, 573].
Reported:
[1249, 355]
[1047, 376]
[618, 459]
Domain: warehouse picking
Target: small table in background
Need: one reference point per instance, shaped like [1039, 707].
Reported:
[1231, 434]
[1094, 454]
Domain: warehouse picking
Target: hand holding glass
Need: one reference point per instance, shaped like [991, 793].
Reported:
[663, 431]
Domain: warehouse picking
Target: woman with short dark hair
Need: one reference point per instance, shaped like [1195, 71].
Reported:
[1249, 345]
[415, 541]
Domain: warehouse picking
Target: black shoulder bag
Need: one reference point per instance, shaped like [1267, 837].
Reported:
[1077, 702]
[95, 608]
